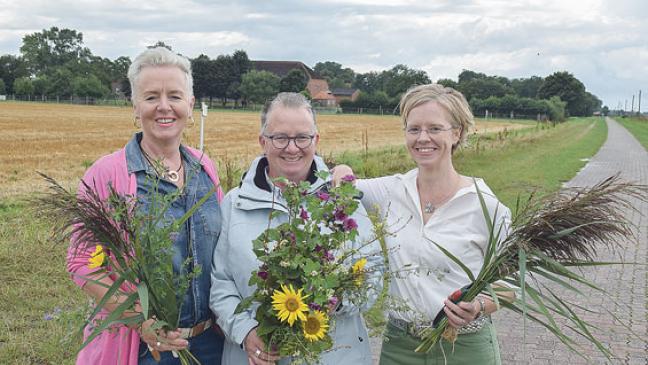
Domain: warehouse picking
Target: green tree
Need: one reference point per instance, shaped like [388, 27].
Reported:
[400, 78]
[52, 48]
[570, 90]
[448, 83]
[240, 65]
[12, 68]
[61, 82]
[605, 110]
[335, 74]
[527, 88]
[3, 88]
[203, 77]
[42, 85]
[295, 81]
[368, 82]
[160, 44]
[259, 86]
[89, 86]
[23, 86]
[467, 75]
[483, 88]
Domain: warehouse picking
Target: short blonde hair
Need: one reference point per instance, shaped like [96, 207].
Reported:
[159, 56]
[450, 99]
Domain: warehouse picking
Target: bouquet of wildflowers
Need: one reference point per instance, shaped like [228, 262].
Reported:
[548, 236]
[132, 247]
[307, 267]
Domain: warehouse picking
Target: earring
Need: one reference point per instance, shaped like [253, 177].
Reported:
[135, 122]
[193, 122]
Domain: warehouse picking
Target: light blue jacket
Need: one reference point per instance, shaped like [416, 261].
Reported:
[245, 213]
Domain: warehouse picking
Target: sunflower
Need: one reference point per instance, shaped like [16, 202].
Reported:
[315, 326]
[289, 304]
[97, 258]
[358, 271]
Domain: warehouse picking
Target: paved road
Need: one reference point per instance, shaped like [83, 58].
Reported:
[627, 284]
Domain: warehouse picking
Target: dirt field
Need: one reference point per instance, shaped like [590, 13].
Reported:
[63, 140]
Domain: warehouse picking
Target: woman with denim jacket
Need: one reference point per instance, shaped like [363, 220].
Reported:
[161, 85]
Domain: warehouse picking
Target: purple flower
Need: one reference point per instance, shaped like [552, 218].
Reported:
[339, 214]
[329, 256]
[332, 302]
[318, 248]
[314, 306]
[324, 196]
[48, 317]
[303, 214]
[349, 224]
[263, 275]
[348, 178]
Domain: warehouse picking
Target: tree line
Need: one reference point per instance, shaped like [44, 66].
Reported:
[55, 63]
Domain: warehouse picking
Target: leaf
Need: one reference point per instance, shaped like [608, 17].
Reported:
[455, 260]
[142, 291]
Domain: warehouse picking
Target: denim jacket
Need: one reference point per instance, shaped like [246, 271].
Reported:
[197, 237]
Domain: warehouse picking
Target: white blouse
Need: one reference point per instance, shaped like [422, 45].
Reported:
[423, 275]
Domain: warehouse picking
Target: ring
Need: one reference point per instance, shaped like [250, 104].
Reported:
[157, 344]
[257, 352]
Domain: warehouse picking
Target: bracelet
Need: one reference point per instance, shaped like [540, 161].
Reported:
[482, 307]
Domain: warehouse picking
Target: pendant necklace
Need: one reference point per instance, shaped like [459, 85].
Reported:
[171, 175]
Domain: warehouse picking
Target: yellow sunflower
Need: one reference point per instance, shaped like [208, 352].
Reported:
[97, 258]
[289, 304]
[358, 271]
[315, 326]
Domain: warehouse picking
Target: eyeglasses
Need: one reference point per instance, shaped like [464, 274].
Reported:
[416, 131]
[282, 141]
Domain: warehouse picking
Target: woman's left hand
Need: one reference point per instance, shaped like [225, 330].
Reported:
[462, 313]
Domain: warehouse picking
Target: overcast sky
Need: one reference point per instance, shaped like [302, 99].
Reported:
[604, 43]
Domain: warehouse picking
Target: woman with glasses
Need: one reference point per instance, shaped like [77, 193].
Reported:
[289, 140]
[434, 204]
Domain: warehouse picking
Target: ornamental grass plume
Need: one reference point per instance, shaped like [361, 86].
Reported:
[548, 235]
[132, 247]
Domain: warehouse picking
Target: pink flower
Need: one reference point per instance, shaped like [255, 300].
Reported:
[348, 178]
[314, 306]
[349, 224]
[263, 275]
[303, 214]
[329, 256]
[324, 196]
[332, 302]
[339, 214]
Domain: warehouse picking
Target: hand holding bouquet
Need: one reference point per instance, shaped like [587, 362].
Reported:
[309, 267]
[132, 250]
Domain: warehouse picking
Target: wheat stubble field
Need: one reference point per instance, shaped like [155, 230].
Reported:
[63, 140]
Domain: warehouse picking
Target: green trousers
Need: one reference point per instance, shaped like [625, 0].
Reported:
[475, 348]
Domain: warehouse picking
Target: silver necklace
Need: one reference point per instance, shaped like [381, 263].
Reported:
[171, 175]
[429, 208]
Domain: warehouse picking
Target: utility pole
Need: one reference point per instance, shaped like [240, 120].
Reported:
[639, 112]
[632, 108]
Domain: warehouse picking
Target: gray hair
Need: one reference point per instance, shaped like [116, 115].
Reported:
[287, 100]
[159, 56]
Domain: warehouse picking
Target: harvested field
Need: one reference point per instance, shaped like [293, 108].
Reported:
[63, 140]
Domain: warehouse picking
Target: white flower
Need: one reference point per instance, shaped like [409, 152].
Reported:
[284, 263]
[314, 273]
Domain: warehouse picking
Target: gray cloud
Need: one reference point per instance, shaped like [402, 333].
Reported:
[602, 42]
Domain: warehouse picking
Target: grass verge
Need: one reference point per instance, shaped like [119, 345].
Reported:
[638, 128]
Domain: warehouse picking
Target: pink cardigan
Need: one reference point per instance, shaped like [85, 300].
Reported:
[121, 344]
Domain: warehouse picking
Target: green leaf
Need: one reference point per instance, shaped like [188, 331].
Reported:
[455, 260]
[142, 291]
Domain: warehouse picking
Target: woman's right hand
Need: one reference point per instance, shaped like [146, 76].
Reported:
[339, 172]
[160, 340]
[255, 348]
